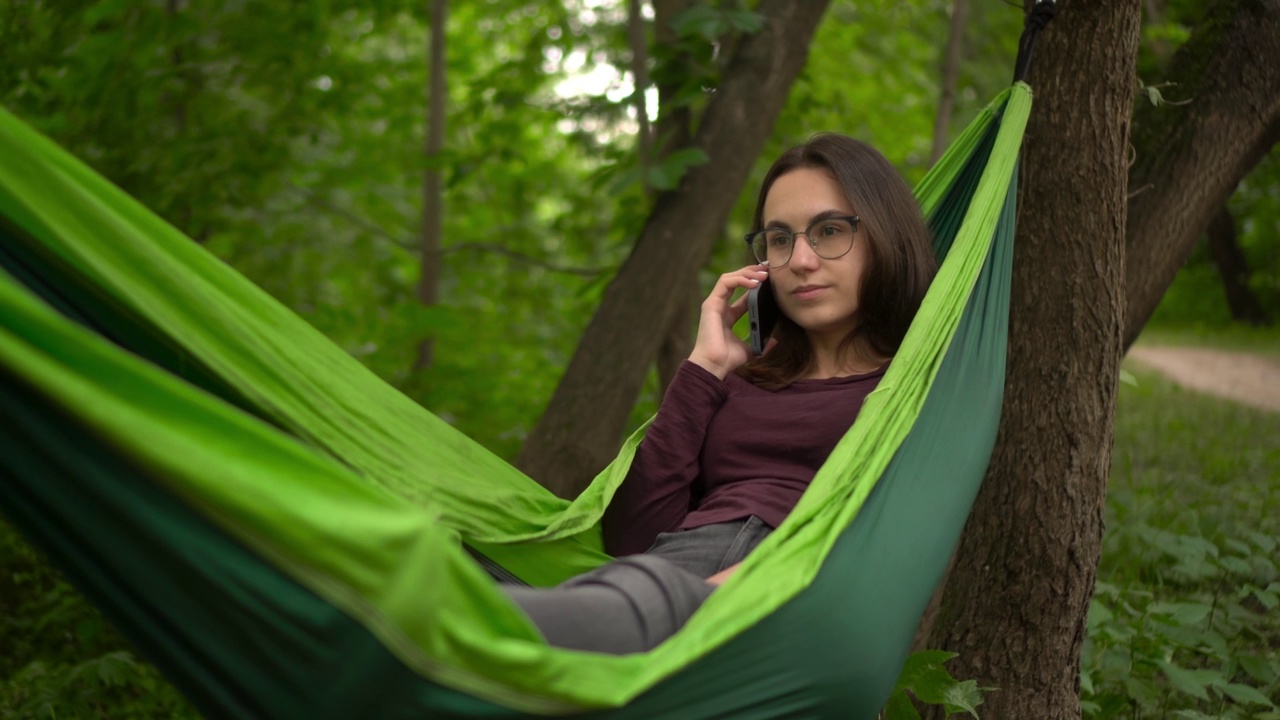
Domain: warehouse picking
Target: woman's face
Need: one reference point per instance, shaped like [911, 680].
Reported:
[818, 294]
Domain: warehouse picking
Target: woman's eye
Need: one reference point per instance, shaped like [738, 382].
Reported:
[779, 239]
[829, 230]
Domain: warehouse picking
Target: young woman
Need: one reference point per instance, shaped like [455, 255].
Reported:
[841, 241]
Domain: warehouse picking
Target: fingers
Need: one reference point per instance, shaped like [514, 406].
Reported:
[736, 310]
[747, 277]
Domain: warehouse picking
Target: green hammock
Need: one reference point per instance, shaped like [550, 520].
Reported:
[287, 536]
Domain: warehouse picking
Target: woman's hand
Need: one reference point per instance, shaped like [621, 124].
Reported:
[718, 350]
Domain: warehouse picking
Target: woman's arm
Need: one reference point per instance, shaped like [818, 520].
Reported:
[656, 494]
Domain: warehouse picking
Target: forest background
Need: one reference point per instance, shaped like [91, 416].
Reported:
[455, 225]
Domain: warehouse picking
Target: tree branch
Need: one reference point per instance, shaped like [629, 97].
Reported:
[587, 415]
[1193, 156]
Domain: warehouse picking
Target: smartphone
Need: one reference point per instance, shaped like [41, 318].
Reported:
[762, 312]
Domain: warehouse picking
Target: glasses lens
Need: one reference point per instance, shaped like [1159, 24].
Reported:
[772, 247]
[831, 238]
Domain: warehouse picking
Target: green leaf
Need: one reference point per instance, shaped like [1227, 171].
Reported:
[704, 21]
[1182, 613]
[1086, 682]
[1265, 542]
[1244, 694]
[744, 21]
[964, 696]
[1191, 682]
[1260, 669]
[668, 174]
[659, 178]
[922, 664]
[900, 707]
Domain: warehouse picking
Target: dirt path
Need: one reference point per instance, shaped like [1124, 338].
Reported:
[1237, 376]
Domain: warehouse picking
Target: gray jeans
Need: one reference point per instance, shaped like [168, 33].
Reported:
[634, 603]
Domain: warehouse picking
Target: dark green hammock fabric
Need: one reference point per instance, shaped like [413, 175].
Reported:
[286, 536]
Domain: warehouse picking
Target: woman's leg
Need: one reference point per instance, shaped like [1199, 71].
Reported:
[630, 605]
[705, 551]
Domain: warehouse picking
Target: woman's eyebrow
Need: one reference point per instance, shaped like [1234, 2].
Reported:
[825, 214]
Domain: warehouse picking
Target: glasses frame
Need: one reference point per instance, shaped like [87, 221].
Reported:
[813, 244]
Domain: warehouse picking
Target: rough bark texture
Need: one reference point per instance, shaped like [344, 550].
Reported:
[640, 74]
[675, 124]
[432, 181]
[1189, 158]
[580, 431]
[677, 341]
[950, 78]
[1233, 268]
[1015, 605]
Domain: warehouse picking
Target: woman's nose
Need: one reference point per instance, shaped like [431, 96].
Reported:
[802, 254]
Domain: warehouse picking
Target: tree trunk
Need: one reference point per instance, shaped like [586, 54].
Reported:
[1015, 605]
[640, 74]
[1234, 270]
[433, 181]
[674, 126]
[677, 340]
[950, 78]
[1189, 158]
[580, 431]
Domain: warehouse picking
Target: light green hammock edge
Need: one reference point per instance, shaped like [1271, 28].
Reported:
[234, 476]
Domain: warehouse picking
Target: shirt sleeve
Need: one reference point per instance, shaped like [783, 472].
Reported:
[655, 496]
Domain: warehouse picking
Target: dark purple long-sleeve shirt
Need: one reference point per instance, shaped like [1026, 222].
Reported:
[724, 450]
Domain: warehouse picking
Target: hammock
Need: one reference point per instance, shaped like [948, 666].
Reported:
[286, 536]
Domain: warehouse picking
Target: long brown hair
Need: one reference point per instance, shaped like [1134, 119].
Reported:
[901, 263]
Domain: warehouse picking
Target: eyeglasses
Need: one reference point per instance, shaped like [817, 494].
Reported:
[830, 238]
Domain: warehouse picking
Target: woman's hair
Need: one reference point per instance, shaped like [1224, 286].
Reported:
[901, 262]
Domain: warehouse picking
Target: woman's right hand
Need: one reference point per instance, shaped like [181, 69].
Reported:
[718, 350]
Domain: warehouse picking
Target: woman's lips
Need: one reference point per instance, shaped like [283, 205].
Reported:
[808, 292]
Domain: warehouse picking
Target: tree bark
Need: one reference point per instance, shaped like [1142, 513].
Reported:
[640, 74]
[579, 432]
[1015, 605]
[1189, 158]
[1234, 270]
[950, 78]
[433, 181]
[675, 123]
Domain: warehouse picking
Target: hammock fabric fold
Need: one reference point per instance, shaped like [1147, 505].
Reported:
[285, 535]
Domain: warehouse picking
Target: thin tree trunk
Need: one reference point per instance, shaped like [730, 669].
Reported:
[580, 431]
[1015, 605]
[677, 342]
[1234, 270]
[950, 78]
[433, 181]
[674, 127]
[640, 73]
[1189, 158]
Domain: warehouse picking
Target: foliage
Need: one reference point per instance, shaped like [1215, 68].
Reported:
[62, 659]
[924, 678]
[1183, 622]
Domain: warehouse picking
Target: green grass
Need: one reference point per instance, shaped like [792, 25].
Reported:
[1184, 621]
[1263, 341]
